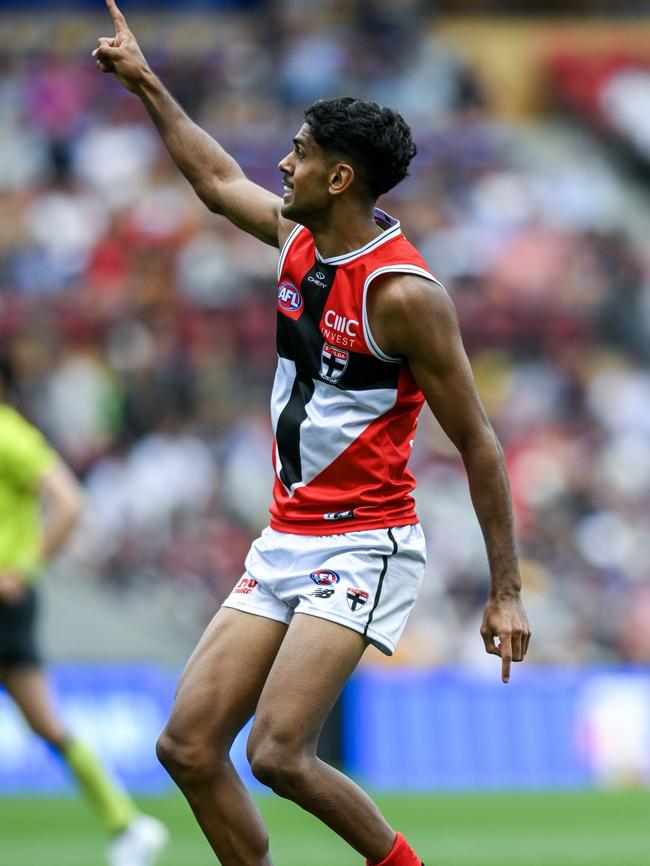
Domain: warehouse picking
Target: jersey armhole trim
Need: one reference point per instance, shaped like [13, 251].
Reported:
[285, 247]
[388, 269]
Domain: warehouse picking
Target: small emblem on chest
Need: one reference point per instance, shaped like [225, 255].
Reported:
[290, 299]
[317, 280]
[333, 363]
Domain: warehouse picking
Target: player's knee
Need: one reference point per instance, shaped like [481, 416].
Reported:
[167, 750]
[278, 776]
[54, 735]
[185, 760]
[280, 769]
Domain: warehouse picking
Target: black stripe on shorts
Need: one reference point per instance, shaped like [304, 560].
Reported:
[381, 581]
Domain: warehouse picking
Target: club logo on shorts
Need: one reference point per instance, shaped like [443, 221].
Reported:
[289, 299]
[323, 593]
[333, 363]
[356, 598]
[324, 577]
[245, 586]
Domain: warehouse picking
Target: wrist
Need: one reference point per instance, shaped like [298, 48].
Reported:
[146, 84]
[502, 593]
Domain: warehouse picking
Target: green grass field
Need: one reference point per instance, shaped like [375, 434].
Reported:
[550, 829]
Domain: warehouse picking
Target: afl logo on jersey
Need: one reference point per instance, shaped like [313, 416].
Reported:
[324, 577]
[289, 299]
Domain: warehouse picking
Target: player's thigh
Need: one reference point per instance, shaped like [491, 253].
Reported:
[29, 688]
[220, 686]
[314, 662]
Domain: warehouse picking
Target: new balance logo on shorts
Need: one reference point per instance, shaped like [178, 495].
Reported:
[323, 593]
[356, 598]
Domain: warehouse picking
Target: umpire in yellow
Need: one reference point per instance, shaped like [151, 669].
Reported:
[40, 504]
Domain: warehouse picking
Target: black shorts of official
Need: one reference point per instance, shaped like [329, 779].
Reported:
[18, 646]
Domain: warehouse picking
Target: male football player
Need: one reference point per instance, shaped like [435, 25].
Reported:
[365, 335]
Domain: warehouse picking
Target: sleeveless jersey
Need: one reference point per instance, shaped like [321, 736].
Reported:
[344, 413]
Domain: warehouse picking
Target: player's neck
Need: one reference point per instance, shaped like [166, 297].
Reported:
[344, 233]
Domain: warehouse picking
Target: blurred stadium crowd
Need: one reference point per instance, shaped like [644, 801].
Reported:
[142, 327]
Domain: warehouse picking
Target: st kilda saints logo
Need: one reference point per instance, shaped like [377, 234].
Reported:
[333, 363]
[356, 598]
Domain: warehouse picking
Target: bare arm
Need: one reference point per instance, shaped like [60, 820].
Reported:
[63, 498]
[215, 176]
[415, 318]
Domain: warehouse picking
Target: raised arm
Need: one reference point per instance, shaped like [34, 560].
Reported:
[415, 318]
[215, 176]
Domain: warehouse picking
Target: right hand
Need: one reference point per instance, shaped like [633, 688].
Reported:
[121, 54]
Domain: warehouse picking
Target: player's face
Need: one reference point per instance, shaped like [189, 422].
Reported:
[305, 171]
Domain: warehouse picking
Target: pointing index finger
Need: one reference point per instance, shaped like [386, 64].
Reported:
[506, 657]
[116, 15]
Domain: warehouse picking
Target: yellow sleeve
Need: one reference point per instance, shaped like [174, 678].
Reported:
[25, 456]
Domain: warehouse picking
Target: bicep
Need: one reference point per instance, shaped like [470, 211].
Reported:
[451, 394]
[441, 368]
[250, 207]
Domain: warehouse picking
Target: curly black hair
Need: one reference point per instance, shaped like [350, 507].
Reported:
[376, 139]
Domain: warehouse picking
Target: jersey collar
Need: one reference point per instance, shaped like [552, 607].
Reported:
[391, 228]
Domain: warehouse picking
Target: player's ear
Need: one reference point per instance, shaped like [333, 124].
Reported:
[340, 178]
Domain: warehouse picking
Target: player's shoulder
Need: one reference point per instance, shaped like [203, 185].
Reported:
[408, 311]
[412, 296]
[286, 228]
[12, 422]
[18, 435]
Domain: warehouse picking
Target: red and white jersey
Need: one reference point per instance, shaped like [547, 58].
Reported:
[343, 412]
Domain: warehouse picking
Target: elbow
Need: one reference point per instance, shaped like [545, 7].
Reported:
[482, 441]
[76, 511]
[209, 200]
[207, 196]
[71, 506]
[485, 465]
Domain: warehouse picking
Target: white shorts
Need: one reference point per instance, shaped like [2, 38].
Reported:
[365, 580]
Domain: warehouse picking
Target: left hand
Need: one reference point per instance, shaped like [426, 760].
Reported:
[12, 588]
[505, 618]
